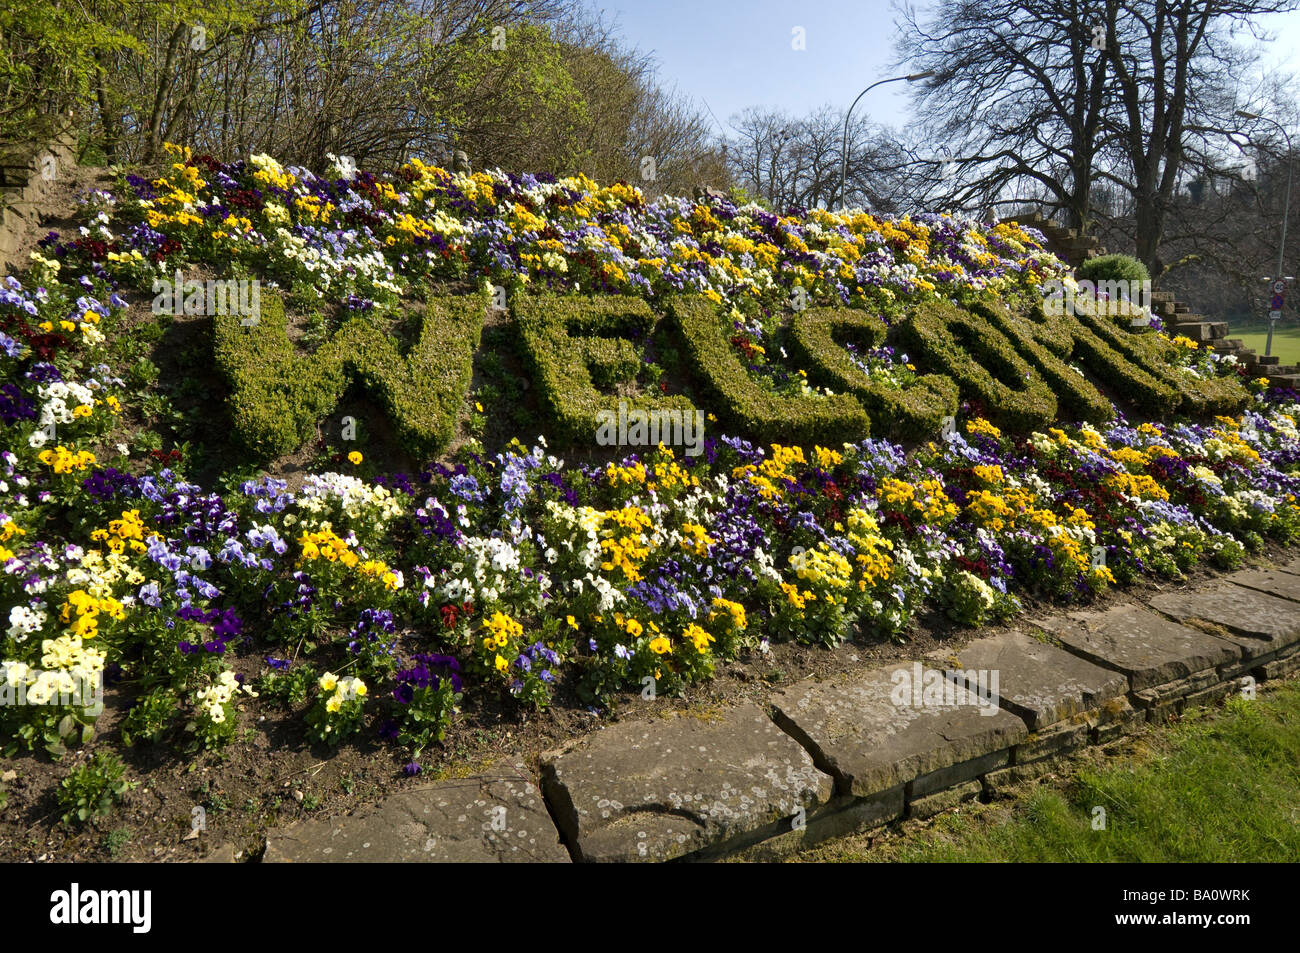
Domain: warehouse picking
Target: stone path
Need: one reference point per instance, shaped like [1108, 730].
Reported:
[826, 758]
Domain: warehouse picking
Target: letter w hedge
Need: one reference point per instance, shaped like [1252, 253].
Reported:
[278, 395]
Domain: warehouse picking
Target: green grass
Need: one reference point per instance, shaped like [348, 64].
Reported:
[1286, 341]
[1219, 787]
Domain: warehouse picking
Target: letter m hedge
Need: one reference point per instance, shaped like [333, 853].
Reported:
[279, 396]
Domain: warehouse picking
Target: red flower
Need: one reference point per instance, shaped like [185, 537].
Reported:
[449, 616]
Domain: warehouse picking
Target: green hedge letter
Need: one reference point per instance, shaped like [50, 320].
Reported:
[278, 396]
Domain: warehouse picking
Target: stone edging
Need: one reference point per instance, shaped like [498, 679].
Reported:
[824, 759]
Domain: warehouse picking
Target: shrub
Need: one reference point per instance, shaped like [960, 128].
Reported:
[1140, 369]
[1113, 268]
[750, 406]
[984, 363]
[577, 345]
[1075, 394]
[277, 396]
[898, 412]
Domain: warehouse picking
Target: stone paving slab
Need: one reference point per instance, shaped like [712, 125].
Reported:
[1269, 623]
[484, 819]
[1273, 582]
[224, 854]
[870, 743]
[1039, 682]
[666, 788]
[1147, 648]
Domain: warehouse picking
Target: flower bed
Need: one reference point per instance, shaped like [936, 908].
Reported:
[375, 601]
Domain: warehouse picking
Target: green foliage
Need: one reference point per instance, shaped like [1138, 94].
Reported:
[896, 412]
[1075, 394]
[115, 840]
[92, 789]
[427, 717]
[577, 345]
[970, 600]
[1113, 268]
[277, 396]
[747, 405]
[984, 362]
[290, 688]
[1125, 361]
[1141, 369]
[151, 716]
[512, 97]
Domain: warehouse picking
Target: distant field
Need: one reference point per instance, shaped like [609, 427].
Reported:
[1286, 341]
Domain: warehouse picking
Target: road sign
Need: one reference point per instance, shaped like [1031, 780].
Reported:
[1274, 315]
[1279, 287]
[1277, 303]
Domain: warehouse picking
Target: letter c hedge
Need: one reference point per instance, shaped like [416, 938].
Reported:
[984, 363]
[756, 411]
[896, 412]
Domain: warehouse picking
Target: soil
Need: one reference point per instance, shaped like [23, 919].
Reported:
[270, 776]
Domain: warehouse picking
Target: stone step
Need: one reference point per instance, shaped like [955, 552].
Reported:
[1201, 332]
[480, 819]
[1180, 308]
[1285, 380]
[1268, 360]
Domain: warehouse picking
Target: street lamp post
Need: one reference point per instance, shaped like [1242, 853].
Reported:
[844, 146]
[1286, 210]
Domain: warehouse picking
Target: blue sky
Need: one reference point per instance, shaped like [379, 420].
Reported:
[738, 53]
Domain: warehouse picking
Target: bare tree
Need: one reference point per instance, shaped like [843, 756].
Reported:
[1048, 100]
[795, 162]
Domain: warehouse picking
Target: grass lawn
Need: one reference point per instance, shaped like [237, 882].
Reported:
[1222, 786]
[1286, 341]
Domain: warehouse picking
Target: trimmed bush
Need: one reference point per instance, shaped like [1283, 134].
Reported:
[1139, 367]
[896, 412]
[983, 362]
[279, 396]
[1076, 396]
[1112, 268]
[577, 345]
[744, 402]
